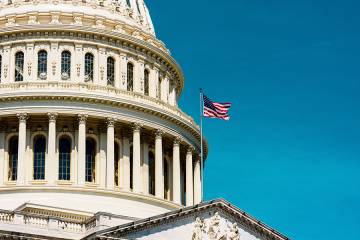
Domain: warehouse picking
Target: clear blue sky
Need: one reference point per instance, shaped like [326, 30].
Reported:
[290, 155]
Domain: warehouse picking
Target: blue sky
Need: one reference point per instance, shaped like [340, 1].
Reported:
[290, 155]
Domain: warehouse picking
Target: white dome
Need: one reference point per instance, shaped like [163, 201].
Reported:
[131, 12]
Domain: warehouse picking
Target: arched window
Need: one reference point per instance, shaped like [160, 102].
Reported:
[130, 77]
[128, 3]
[116, 163]
[0, 66]
[151, 173]
[64, 158]
[65, 65]
[146, 82]
[42, 64]
[13, 158]
[90, 160]
[19, 67]
[110, 72]
[89, 67]
[166, 179]
[131, 167]
[39, 157]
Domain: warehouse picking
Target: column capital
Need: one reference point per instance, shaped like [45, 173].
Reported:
[137, 127]
[23, 117]
[159, 133]
[110, 122]
[52, 117]
[190, 149]
[82, 118]
[177, 141]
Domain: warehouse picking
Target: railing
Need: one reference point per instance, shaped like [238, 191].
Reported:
[6, 217]
[104, 91]
[44, 222]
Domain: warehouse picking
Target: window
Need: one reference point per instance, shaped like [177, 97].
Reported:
[42, 64]
[65, 65]
[128, 3]
[19, 67]
[130, 77]
[110, 72]
[0, 66]
[116, 163]
[90, 160]
[13, 158]
[64, 158]
[39, 158]
[166, 179]
[146, 82]
[89, 67]
[151, 173]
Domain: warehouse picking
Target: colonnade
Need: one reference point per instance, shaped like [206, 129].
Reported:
[139, 165]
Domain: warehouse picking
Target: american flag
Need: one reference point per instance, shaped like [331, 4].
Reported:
[216, 110]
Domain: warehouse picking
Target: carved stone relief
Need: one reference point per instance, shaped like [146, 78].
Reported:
[213, 229]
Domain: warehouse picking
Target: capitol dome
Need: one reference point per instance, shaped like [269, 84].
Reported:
[89, 114]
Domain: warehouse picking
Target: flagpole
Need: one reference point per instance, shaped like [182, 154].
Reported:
[201, 144]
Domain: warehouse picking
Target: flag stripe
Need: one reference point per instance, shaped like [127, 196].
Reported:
[215, 109]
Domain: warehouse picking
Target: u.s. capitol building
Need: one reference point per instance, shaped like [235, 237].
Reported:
[92, 142]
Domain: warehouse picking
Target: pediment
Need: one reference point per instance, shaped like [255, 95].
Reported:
[216, 220]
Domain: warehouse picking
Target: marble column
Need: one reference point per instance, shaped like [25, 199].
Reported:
[145, 170]
[159, 171]
[110, 151]
[125, 168]
[51, 168]
[176, 171]
[189, 177]
[136, 158]
[197, 182]
[23, 117]
[81, 149]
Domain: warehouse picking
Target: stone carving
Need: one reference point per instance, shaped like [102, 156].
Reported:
[234, 232]
[77, 21]
[78, 69]
[214, 229]
[215, 232]
[29, 68]
[99, 23]
[119, 28]
[52, 117]
[6, 70]
[110, 122]
[11, 21]
[199, 229]
[33, 20]
[54, 68]
[22, 117]
[82, 118]
[55, 19]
